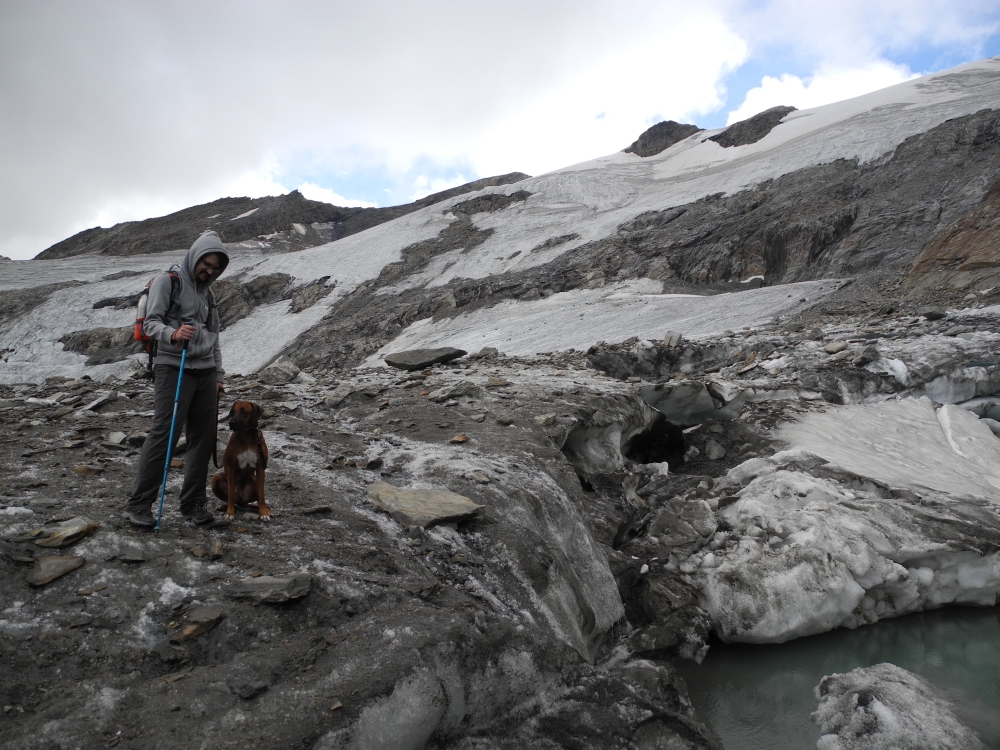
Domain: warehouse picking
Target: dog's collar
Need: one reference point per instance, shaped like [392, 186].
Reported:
[236, 428]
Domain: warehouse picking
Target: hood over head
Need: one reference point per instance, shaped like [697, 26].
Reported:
[208, 242]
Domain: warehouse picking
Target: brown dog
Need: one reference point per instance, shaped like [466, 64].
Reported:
[242, 477]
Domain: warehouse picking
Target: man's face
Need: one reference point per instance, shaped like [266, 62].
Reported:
[207, 267]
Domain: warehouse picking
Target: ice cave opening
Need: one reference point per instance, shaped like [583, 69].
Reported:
[661, 442]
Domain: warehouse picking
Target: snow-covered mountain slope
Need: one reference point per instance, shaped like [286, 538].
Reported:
[615, 218]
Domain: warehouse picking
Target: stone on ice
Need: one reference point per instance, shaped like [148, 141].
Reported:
[273, 589]
[418, 359]
[199, 619]
[884, 706]
[835, 346]
[48, 569]
[714, 450]
[247, 689]
[462, 388]
[282, 370]
[868, 355]
[724, 390]
[672, 339]
[61, 533]
[103, 397]
[421, 507]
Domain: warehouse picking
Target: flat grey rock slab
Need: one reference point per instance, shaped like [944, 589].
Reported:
[462, 388]
[418, 359]
[60, 533]
[273, 589]
[421, 507]
[47, 569]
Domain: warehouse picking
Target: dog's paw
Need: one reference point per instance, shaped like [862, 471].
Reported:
[229, 516]
[266, 518]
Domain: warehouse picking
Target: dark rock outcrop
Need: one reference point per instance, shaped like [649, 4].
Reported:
[752, 129]
[964, 254]
[102, 345]
[660, 137]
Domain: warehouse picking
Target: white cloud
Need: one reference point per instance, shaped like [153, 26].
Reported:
[256, 183]
[667, 71]
[424, 186]
[317, 193]
[825, 87]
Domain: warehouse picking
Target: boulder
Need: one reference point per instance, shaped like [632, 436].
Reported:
[281, 371]
[418, 359]
[421, 507]
[835, 346]
[48, 569]
[933, 313]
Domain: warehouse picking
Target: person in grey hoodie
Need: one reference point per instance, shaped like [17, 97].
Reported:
[171, 319]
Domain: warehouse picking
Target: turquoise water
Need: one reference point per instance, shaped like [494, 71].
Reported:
[760, 697]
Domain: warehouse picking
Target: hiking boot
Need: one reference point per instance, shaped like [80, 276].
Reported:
[141, 517]
[198, 514]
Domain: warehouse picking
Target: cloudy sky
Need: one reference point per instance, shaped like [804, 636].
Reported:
[112, 111]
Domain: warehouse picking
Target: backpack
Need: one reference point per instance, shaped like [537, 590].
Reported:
[139, 333]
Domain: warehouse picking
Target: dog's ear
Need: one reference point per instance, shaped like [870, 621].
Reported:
[232, 410]
[257, 411]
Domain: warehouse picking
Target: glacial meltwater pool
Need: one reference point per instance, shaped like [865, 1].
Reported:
[760, 697]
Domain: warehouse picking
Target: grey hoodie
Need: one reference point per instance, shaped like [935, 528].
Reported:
[192, 303]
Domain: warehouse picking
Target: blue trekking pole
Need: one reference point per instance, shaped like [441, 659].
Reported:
[173, 422]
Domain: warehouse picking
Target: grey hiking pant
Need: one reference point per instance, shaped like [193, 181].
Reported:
[196, 412]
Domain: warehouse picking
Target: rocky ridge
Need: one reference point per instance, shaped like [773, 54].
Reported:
[287, 222]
